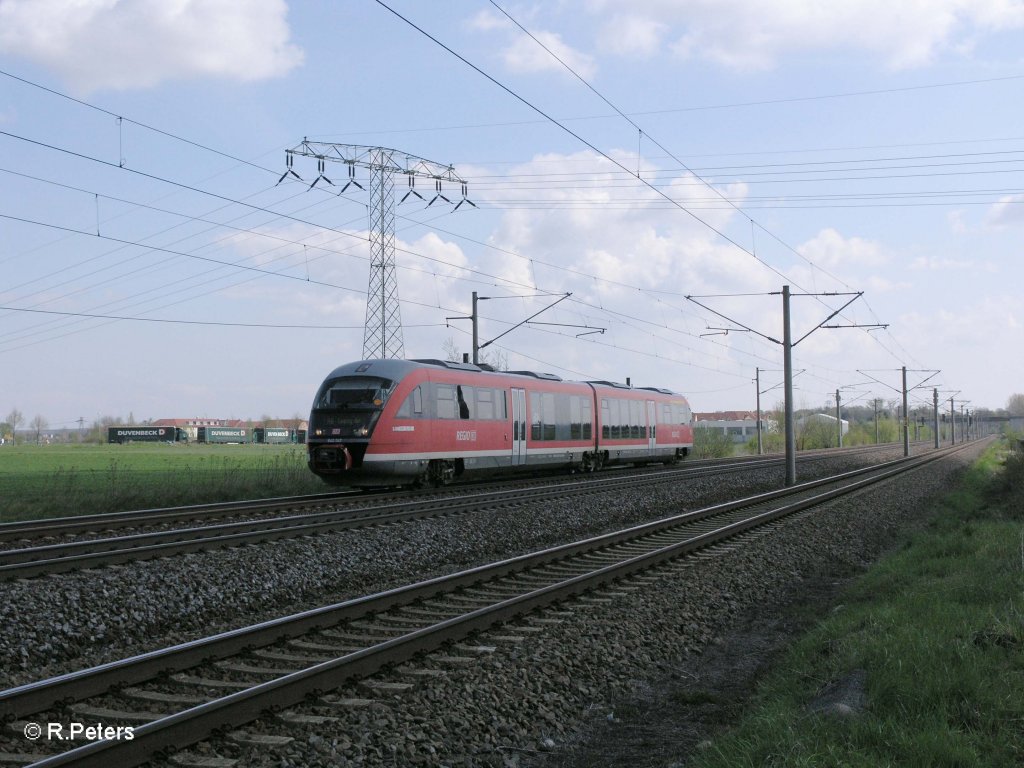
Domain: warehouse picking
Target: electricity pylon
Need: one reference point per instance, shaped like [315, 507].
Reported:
[382, 336]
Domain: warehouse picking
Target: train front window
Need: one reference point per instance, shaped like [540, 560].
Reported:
[355, 392]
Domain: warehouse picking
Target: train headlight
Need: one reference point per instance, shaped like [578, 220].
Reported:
[363, 431]
[319, 433]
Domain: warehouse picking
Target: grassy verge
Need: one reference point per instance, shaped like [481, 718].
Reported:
[54, 481]
[939, 630]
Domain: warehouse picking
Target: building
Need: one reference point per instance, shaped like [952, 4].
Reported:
[740, 426]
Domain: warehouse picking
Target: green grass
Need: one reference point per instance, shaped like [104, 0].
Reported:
[58, 480]
[939, 629]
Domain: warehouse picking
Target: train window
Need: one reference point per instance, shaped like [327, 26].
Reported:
[580, 426]
[548, 415]
[536, 417]
[681, 413]
[502, 409]
[615, 418]
[606, 416]
[464, 397]
[355, 392]
[412, 408]
[544, 410]
[484, 403]
[447, 406]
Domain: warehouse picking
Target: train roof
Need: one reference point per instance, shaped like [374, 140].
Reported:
[399, 369]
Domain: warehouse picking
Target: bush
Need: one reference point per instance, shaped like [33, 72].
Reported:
[1011, 479]
[712, 443]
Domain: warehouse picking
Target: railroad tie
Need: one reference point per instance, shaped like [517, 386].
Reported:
[160, 697]
[477, 649]
[191, 760]
[507, 638]
[206, 682]
[419, 675]
[19, 758]
[348, 702]
[294, 718]
[453, 661]
[248, 669]
[259, 739]
[305, 661]
[103, 714]
[307, 645]
[385, 687]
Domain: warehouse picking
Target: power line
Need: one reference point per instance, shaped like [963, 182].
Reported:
[320, 227]
[710, 107]
[133, 122]
[572, 133]
[200, 322]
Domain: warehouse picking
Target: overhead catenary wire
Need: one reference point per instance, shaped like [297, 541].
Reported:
[236, 159]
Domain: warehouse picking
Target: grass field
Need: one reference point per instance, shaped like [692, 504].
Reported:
[58, 480]
[939, 631]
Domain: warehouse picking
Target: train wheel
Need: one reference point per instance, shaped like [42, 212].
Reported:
[440, 473]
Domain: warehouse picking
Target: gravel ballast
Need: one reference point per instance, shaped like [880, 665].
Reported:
[526, 698]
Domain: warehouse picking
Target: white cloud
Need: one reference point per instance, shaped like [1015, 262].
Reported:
[524, 55]
[1009, 211]
[933, 264]
[488, 21]
[126, 44]
[754, 34]
[957, 224]
[632, 36]
[830, 250]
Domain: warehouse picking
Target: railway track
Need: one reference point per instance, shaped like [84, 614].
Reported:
[24, 532]
[44, 559]
[178, 696]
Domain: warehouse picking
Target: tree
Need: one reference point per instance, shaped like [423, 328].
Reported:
[38, 424]
[816, 433]
[15, 419]
[497, 359]
[1015, 404]
[98, 431]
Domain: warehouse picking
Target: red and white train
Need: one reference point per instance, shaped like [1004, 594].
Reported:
[396, 422]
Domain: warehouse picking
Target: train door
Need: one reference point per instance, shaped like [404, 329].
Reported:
[652, 427]
[518, 426]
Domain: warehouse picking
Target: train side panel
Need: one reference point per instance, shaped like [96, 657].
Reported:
[480, 422]
[642, 425]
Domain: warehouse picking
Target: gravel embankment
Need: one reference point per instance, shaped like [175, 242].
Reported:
[70, 621]
[525, 703]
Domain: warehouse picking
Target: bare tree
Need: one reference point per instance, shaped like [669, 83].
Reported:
[497, 359]
[451, 350]
[1015, 404]
[38, 423]
[15, 418]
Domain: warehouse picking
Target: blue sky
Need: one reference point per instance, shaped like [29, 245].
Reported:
[870, 146]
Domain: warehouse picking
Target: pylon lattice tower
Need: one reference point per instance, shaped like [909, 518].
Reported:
[382, 335]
